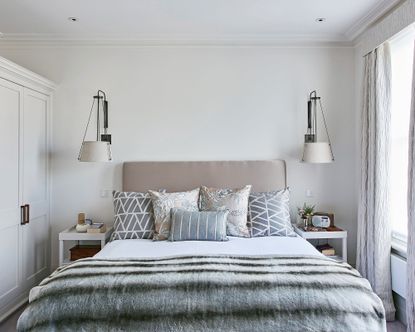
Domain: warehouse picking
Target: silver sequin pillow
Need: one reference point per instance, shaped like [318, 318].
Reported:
[164, 202]
[233, 200]
[269, 214]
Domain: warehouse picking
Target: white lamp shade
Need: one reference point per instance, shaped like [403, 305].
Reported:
[95, 151]
[318, 152]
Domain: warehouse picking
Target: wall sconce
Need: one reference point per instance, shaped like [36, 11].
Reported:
[314, 151]
[99, 150]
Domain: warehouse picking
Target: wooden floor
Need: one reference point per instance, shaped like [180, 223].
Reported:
[396, 326]
[9, 325]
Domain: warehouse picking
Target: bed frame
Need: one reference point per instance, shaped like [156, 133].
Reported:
[219, 292]
[263, 175]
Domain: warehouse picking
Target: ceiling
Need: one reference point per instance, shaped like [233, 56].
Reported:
[189, 19]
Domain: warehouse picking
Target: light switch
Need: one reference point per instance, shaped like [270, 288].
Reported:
[309, 193]
[104, 193]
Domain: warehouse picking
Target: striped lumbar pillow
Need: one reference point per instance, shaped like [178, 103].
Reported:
[198, 225]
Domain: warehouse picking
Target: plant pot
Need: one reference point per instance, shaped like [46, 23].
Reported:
[308, 222]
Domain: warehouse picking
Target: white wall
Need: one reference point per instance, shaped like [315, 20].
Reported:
[198, 103]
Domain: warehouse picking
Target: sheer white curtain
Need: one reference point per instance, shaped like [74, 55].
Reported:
[374, 229]
[410, 287]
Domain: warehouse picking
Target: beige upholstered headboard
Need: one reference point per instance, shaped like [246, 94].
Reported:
[263, 175]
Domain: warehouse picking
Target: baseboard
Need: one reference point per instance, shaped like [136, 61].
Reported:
[398, 271]
[13, 309]
[400, 305]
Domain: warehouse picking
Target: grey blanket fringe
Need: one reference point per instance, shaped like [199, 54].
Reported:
[204, 293]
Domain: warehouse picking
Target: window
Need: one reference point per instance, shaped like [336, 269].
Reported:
[402, 57]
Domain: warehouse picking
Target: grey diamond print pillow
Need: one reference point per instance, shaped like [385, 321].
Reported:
[133, 216]
[269, 214]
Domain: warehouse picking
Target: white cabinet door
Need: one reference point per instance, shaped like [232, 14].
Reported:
[34, 168]
[11, 96]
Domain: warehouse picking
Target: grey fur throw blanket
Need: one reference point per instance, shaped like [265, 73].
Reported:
[204, 293]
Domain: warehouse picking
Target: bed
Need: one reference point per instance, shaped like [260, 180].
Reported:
[244, 284]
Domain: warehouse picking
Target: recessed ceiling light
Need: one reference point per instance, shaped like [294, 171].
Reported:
[73, 19]
[320, 19]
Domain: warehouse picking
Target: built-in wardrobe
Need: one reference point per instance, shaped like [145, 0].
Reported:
[25, 116]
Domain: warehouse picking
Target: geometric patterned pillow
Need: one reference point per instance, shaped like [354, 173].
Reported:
[269, 214]
[133, 216]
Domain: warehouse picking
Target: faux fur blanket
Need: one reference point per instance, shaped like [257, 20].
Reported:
[204, 293]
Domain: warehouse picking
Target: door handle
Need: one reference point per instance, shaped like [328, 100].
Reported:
[22, 215]
[27, 207]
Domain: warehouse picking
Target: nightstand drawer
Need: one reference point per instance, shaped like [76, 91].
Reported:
[83, 251]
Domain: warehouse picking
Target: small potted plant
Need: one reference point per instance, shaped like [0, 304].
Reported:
[306, 213]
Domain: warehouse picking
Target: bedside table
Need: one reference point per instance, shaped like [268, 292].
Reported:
[336, 233]
[70, 234]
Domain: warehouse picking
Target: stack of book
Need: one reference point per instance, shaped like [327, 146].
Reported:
[326, 249]
[97, 227]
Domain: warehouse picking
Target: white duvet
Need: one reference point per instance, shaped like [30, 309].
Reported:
[272, 245]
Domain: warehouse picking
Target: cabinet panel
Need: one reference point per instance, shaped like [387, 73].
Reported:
[9, 260]
[10, 97]
[35, 158]
[35, 241]
[34, 178]
[10, 101]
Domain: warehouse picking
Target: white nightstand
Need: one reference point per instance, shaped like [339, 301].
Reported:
[70, 234]
[336, 233]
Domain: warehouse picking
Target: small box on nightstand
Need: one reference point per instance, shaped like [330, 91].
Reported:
[84, 251]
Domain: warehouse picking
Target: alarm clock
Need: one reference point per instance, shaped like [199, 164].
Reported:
[321, 221]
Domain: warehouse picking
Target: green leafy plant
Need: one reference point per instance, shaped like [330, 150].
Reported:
[306, 211]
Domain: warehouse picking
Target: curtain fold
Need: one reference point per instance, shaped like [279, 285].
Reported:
[410, 284]
[374, 232]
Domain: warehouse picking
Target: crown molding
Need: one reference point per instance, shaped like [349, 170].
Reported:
[347, 39]
[21, 75]
[377, 12]
[56, 40]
